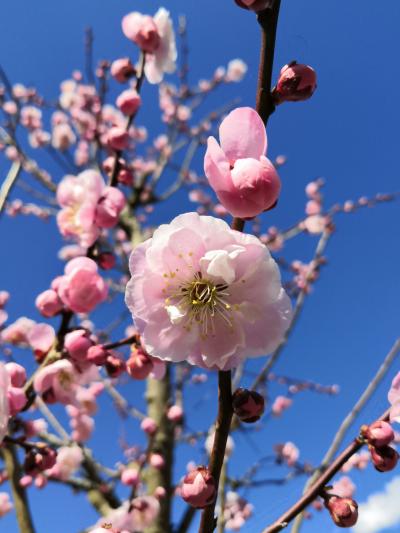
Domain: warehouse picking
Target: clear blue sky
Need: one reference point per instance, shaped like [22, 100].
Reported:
[347, 133]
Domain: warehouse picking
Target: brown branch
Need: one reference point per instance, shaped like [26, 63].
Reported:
[222, 427]
[315, 490]
[268, 20]
[20, 499]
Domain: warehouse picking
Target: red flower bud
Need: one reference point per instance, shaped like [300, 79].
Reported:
[384, 458]
[248, 405]
[198, 488]
[140, 364]
[106, 260]
[115, 366]
[255, 5]
[344, 511]
[296, 82]
[379, 433]
[97, 355]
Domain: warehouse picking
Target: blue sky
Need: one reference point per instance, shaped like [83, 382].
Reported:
[347, 133]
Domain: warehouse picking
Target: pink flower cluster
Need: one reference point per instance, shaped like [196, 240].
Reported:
[236, 511]
[88, 206]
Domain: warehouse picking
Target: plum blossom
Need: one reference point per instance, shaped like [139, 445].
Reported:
[144, 511]
[82, 199]
[69, 460]
[5, 504]
[207, 294]
[244, 180]
[81, 289]
[157, 38]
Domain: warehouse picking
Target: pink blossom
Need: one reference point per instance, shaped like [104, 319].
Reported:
[5, 504]
[156, 37]
[175, 413]
[288, 452]
[16, 373]
[41, 338]
[130, 476]
[315, 224]
[122, 69]
[144, 511]
[69, 460]
[157, 461]
[343, 487]
[198, 488]
[236, 70]
[149, 426]
[207, 294]
[117, 138]
[139, 364]
[4, 408]
[109, 207]
[82, 289]
[63, 137]
[280, 404]
[344, 511]
[78, 197]
[57, 382]
[17, 332]
[77, 344]
[4, 297]
[244, 180]
[129, 102]
[16, 400]
[394, 399]
[48, 303]
[254, 5]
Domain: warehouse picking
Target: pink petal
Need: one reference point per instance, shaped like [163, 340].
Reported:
[217, 168]
[242, 134]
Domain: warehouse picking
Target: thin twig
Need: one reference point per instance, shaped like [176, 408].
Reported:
[9, 183]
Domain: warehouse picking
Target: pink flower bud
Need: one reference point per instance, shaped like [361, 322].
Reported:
[114, 365]
[344, 511]
[122, 69]
[16, 400]
[17, 374]
[384, 458]
[175, 413]
[106, 260]
[139, 364]
[117, 138]
[160, 493]
[130, 477]
[379, 433]
[149, 426]
[77, 344]
[255, 5]
[25, 481]
[37, 461]
[109, 207]
[248, 405]
[296, 82]
[48, 303]
[97, 355]
[157, 461]
[142, 30]
[198, 488]
[129, 102]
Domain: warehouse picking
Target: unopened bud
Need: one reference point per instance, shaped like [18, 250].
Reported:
[296, 82]
[384, 458]
[255, 5]
[344, 511]
[198, 488]
[248, 405]
[378, 434]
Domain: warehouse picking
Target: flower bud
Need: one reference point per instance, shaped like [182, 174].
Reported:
[77, 344]
[114, 365]
[344, 511]
[106, 260]
[142, 30]
[48, 303]
[16, 400]
[149, 426]
[296, 82]
[139, 364]
[384, 458]
[37, 461]
[117, 138]
[157, 461]
[378, 434]
[109, 207]
[97, 355]
[17, 374]
[248, 405]
[130, 477]
[129, 102]
[175, 413]
[122, 69]
[198, 488]
[255, 5]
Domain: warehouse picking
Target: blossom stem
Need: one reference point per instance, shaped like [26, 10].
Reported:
[222, 427]
[20, 499]
[268, 20]
[348, 421]
[138, 86]
[315, 490]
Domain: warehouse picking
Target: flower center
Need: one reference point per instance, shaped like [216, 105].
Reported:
[199, 301]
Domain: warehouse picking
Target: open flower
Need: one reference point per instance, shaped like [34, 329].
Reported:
[207, 294]
[244, 180]
[155, 36]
